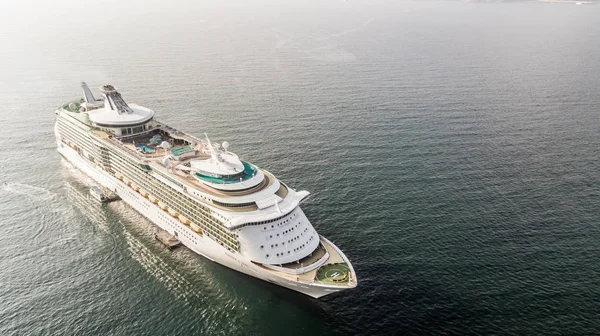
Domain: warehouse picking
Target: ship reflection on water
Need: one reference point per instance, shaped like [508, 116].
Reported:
[119, 224]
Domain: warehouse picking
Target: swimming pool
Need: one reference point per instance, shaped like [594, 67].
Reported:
[249, 172]
[145, 149]
[181, 150]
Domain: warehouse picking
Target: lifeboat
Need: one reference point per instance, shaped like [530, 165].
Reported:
[195, 228]
[162, 206]
[119, 176]
[184, 220]
[152, 199]
[136, 188]
[144, 193]
[173, 212]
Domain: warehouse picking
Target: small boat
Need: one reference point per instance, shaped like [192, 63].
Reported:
[173, 212]
[165, 237]
[98, 194]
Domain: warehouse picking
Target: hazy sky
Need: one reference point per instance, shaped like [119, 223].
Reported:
[74, 24]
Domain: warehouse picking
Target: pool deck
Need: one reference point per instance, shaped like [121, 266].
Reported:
[199, 152]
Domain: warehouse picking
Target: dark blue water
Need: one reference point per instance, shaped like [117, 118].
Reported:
[452, 151]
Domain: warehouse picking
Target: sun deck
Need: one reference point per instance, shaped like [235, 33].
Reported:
[179, 144]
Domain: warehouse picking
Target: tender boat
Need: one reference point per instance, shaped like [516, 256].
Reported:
[98, 194]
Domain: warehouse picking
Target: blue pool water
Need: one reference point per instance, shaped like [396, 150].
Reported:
[145, 149]
[181, 150]
[248, 173]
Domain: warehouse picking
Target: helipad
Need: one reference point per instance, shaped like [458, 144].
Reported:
[336, 273]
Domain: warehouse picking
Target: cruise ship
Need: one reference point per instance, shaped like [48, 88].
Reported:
[219, 206]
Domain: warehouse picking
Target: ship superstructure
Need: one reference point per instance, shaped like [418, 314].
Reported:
[218, 205]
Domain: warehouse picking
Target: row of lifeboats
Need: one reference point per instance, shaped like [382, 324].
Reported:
[160, 204]
[195, 228]
[173, 212]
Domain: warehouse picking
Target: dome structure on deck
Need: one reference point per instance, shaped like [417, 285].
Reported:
[116, 112]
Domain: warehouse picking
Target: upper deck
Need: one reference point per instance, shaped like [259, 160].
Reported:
[175, 161]
[207, 171]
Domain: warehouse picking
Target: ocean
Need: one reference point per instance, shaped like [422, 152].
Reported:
[452, 151]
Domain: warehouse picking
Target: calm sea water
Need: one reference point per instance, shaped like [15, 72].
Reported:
[452, 151]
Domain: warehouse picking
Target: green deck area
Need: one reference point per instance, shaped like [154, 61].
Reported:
[333, 273]
[77, 106]
[246, 174]
[181, 150]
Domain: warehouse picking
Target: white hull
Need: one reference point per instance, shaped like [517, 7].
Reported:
[197, 243]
